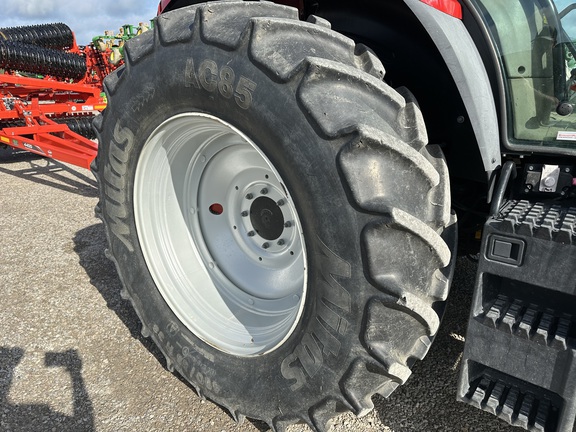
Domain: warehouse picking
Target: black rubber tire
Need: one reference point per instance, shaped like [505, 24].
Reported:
[373, 199]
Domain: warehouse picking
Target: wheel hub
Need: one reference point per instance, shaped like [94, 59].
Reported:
[267, 218]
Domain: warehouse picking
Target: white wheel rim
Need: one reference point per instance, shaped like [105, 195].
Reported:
[220, 234]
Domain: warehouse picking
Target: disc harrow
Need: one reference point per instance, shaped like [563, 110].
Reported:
[51, 89]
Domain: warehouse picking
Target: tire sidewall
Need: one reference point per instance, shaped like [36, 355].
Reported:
[318, 352]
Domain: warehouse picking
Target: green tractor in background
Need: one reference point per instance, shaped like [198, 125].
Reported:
[113, 43]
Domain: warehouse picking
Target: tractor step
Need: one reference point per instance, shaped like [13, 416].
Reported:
[519, 358]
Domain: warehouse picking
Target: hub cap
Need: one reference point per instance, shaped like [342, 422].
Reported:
[220, 234]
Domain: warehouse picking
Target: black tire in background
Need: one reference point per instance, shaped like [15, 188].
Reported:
[370, 200]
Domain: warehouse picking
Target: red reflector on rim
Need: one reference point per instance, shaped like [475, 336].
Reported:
[451, 7]
[216, 209]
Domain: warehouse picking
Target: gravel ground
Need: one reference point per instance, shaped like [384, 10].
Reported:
[71, 355]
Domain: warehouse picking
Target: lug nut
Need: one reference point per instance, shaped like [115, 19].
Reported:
[249, 196]
[265, 246]
[288, 224]
[281, 242]
[251, 234]
[264, 191]
[244, 214]
[280, 203]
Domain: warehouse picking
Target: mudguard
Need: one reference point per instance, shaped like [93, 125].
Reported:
[466, 66]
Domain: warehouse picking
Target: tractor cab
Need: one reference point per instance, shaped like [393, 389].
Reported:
[535, 43]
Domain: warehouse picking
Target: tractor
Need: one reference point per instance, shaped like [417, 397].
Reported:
[285, 187]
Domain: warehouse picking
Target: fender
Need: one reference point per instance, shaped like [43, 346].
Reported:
[463, 60]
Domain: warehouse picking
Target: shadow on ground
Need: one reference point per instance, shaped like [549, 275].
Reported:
[40, 417]
[48, 172]
[90, 244]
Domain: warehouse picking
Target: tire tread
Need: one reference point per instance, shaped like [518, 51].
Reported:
[322, 61]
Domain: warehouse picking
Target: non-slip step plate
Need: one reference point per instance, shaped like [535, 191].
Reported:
[542, 221]
[516, 402]
[519, 361]
[529, 321]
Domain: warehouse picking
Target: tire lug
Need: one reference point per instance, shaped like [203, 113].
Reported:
[280, 203]
[288, 224]
[249, 196]
[281, 242]
[251, 234]
[265, 245]
[264, 191]
[244, 214]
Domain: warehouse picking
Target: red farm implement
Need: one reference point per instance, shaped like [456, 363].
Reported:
[51, 89]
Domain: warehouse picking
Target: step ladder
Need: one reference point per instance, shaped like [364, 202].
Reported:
[519, 359]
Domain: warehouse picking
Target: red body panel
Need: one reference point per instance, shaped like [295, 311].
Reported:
[451, 7]
[162, 5]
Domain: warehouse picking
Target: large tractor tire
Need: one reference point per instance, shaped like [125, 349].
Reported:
[277, 219]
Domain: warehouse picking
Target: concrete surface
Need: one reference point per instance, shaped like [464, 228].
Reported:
[71, 355]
